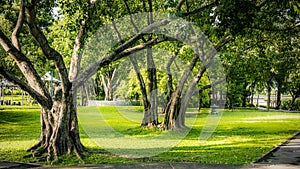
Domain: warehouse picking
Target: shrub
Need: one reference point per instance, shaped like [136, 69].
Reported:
[286, 104]
[250, 105]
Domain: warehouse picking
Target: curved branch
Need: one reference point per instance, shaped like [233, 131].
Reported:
[16, 32]
[25, 66]
[114, 56]
[179, 5]
[120, 52]
[49, 52]
[40, 98]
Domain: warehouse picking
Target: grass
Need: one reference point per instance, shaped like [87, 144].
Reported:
[19, 129]
[239, 137]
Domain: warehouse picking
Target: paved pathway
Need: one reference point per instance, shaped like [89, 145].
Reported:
[285, 156]
[287, 153]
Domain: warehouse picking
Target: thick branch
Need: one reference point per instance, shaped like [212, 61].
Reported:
[179, 5]
[148, 29]
[76, 55]
[40, 98]
[25, 66]
[49, 52]
[114, 56]
[16, 32]
[224, 41]
[199, 9]
[211, 85]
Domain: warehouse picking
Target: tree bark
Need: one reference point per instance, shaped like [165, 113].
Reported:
[151, 116]
[170, 78]
[108, 89]
[59, 129]
[172, 108]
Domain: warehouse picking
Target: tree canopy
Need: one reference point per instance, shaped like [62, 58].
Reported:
[257, 42]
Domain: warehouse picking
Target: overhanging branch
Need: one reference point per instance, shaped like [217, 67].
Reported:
[114, 56]
[211, 85]
[40, 99]
[24, 65]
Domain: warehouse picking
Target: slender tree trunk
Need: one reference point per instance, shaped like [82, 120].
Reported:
[97, 85]
[244, 96]
[278, 99]
[200, 100]
[107, 85]
[146, 103]
[257, 100]
[269, 95]
[82, 95]
[252, 91]
[87, 94]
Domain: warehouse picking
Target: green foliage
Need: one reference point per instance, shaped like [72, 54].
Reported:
[286, 104]
[235, 15]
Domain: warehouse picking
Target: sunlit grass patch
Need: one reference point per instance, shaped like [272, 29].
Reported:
[241, 136]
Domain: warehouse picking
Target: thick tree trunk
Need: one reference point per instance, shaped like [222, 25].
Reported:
[152, 86]
[59, 129]
[171, 111]
[170, 78]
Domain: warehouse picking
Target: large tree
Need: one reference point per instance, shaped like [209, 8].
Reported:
[59, 124]
[222, 21]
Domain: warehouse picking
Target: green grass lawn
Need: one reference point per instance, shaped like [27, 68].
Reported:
[235, 137]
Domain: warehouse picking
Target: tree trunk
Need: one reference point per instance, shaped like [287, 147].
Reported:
[244, 95]
[59, 129]
[152, 86]
[200, 100]
[170, 78]
[294, 97]
[269, 95]
[87, 93]
[252, 91]
[146, 103]
[278, 99]
[171, 111]
[257, 100]
[107, 85]
[82, 95]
